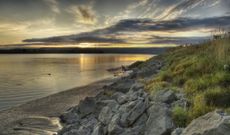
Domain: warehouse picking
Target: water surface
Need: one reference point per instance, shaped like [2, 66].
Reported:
[25, 77]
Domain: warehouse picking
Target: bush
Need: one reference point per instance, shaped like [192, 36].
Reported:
[180, 116]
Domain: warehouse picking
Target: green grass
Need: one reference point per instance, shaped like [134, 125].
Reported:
[199, 72]
[180, 116]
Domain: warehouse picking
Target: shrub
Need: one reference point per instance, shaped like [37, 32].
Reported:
[180, 116]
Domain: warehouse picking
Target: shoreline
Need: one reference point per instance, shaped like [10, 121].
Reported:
[49, 107]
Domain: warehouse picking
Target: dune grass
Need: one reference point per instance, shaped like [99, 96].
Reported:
[201, 72]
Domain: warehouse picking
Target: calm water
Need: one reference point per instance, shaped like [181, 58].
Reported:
[31, 76]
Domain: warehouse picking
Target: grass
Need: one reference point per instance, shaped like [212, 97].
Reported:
[198, 71]
[180, 116]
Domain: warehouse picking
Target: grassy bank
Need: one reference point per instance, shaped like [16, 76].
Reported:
[202, 72]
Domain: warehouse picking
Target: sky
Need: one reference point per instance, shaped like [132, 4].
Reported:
[112, 21]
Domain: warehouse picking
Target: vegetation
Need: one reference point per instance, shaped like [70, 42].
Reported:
[180, 116]
[202, 72]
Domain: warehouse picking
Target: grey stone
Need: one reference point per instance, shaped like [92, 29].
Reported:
[133, 131]
[70, 118]
[130, 115]
[181, 103]
[137, 86]
[214, 123]
[226, 67]
[69, 127]
[82, 131]
[114, 127]
[121, 98]
[98, 130]
[164, 96]
[112, 104]
[177, 131]
[87, 106]
[122, 85]
[159, 121]
[105, 115]
[89, 122]
[141, 120]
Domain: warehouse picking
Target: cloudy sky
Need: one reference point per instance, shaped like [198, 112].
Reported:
[112, 21]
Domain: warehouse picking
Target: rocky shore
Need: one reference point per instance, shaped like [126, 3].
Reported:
[125, 108]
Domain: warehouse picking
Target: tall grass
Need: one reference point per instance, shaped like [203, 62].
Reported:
[201, 71]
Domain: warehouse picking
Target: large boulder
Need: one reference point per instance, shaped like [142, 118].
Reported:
[159, 121]
[214, 123]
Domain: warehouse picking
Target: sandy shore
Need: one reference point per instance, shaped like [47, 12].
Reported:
[16, 120]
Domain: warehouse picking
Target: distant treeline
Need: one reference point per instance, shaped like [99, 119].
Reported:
[85, 50]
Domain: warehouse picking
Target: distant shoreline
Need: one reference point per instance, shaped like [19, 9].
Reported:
[126, 50]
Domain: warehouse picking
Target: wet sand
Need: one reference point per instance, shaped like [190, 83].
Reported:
[34, 116]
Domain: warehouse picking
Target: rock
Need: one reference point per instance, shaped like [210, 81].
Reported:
[141, 120]
[112, 104]
[122, 85]
[226, 67]
[137, 86]
[114, 127]
[98, 130]
[68, 128]
[159, 121]
[180, 95]
[121, 98]
[214, 123]
[70, 117]
[133, 112]
[177, 131]
[151, 67]
[85, 127]
[82, 131]
[105, 115]
[133, 131]
[164, 96]
[102, 103]
[87, 106]
[183, 103]
[89, 122]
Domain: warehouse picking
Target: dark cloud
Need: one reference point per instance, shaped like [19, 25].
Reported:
[144, 25]
[178, 40]
[137, 25]
[77, 39]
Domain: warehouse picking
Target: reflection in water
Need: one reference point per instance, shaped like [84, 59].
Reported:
[27, 77]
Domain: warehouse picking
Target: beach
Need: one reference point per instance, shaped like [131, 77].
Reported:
[46, 109]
